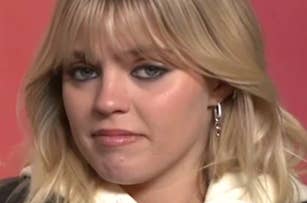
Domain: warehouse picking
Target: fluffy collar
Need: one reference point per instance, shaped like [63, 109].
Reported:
[226, 189]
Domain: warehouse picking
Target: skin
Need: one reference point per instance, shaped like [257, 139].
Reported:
[169, 111]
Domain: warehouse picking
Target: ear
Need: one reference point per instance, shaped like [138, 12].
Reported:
[219, 91]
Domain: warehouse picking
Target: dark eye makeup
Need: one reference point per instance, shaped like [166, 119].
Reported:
[83, 72]
[149, 71]
[145, 71]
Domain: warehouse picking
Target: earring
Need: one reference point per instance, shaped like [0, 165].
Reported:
[218, 119]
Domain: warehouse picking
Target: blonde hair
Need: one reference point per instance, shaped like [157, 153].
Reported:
[218, 38]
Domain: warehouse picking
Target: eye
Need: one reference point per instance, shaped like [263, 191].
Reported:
[83, 73]
[149, 71]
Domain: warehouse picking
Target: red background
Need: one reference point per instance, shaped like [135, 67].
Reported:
[23, 24]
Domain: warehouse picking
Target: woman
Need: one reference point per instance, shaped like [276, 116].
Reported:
[156, 101]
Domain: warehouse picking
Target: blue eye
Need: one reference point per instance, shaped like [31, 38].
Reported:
[149, 71]
[83, 73]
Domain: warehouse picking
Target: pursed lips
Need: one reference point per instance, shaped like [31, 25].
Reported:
[115, 137]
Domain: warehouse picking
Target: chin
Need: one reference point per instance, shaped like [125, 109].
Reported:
[121, 174]
[122, 178]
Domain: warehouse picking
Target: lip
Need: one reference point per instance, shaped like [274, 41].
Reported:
[115, 137]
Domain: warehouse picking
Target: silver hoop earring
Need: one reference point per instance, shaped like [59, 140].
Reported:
[218, 113]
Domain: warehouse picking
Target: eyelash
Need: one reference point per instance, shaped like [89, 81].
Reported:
[145, 72]
[159, 71]
[81, 69]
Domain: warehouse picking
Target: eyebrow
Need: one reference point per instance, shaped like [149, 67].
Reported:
[144, 49]
[79, 55]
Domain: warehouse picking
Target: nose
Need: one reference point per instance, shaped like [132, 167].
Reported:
[112, 96]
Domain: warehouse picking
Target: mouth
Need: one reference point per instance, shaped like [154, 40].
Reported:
[115, 137]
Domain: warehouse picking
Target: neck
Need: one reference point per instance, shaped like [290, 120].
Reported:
[184, 181]
[184, 189]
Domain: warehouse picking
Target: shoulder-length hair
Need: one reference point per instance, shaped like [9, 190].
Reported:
[219, 39]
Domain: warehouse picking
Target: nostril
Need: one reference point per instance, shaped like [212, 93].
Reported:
[111, 104]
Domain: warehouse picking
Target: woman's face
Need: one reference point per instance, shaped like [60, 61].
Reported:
[136, 120]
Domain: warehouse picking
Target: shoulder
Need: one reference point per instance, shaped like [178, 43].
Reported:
[14, 190]
[231, 185]
[302, 189]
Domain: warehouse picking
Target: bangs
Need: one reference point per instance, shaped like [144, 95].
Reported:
[183, 34]
[97, 27]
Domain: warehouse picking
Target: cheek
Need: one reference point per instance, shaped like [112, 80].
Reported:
[77, 104]
[178, 115]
